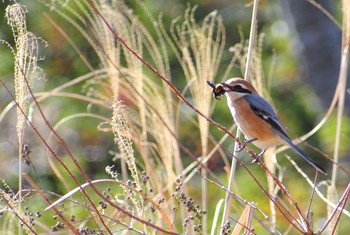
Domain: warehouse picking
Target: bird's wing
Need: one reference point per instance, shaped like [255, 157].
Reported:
[264, 110]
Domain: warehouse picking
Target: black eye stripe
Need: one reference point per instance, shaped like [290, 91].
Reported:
[237, 88]
[240, 89]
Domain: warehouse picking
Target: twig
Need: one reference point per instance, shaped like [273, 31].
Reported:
[327, 201]
[341, 204]
[58, 212]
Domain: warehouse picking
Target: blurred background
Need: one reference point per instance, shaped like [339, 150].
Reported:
[300, 57]
[300, 54]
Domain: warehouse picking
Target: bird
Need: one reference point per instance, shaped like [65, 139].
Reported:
[256, 118]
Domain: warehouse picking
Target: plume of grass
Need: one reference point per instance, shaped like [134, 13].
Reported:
[140, 88]
[25, 54]
[122, 138]
[199, 50]
[25, 59]
[128, 81]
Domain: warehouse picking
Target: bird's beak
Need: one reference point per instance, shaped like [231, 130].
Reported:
[226, 86]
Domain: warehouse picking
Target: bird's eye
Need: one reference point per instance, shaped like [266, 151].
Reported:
[238, 88]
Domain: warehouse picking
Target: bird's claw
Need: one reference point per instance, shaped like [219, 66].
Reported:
[258, 156]
[241, 144]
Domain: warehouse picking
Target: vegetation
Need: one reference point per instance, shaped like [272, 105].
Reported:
[126, 138]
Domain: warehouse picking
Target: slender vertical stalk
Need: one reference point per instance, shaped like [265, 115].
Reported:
[246, 76]
[251, 39]
[341, 102]
[342, 82]
[332, 222]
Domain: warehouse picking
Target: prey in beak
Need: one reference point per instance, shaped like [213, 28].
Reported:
[218, 89]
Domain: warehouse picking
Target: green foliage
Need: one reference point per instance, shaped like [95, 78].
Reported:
[122, 152]
[327, 135]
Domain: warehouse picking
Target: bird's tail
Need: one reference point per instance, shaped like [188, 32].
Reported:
[303, 155]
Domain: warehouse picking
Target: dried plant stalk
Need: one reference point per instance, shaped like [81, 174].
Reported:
[26, 57]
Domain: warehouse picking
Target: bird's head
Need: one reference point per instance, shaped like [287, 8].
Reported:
[237, 87]
[234, 88]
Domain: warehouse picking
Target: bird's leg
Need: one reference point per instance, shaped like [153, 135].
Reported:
[259, 156]
[241, 145]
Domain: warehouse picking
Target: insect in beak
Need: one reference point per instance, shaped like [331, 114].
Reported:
[218, 90]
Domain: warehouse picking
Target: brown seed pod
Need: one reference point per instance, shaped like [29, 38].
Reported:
[218, 90]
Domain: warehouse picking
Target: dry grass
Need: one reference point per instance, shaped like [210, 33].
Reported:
[152, 189]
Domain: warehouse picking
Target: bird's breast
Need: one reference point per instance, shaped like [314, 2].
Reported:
[252, 125]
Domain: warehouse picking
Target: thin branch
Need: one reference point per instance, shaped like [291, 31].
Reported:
[340, 206]
[58, 212]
